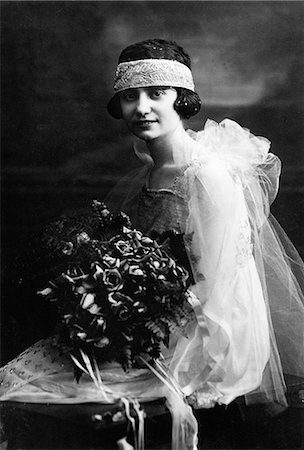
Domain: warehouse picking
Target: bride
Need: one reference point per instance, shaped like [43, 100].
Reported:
[214, 187]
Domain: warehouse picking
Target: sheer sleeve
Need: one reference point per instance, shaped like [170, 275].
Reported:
[232, 336]
[246, 295]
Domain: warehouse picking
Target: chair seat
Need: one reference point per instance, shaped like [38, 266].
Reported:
[95, 425]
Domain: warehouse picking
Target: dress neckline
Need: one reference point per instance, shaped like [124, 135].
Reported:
[170, 189]
[158, 191]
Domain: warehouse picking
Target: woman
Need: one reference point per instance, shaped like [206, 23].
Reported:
[213, 187]
[216, 187]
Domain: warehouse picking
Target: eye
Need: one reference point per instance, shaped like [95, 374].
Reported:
[156, 93]
[128, 96]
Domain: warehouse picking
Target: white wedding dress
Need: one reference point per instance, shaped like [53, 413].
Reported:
[247, 297]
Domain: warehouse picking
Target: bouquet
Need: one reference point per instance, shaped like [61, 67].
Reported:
[119, 294]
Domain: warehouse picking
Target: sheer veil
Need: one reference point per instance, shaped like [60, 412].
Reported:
[247, 294]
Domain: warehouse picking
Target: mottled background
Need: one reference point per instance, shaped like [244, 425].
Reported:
[60, 149]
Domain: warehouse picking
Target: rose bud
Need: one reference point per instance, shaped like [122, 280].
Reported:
[105, 212]
[97, 417]
[118, 417]
[136, 270]
[110, 260]
[82, 335]
[68, 248]
[46, 291]
[156, 264]
[126, 230]
[146, 240]
[98, 271]
[138, 235]
[101, 322]
[81, 290]
[94, 309]
[87, 301]
[83, 238]
[103, 342]
[67, 317]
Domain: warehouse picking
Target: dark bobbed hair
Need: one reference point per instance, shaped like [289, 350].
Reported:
[187, 103]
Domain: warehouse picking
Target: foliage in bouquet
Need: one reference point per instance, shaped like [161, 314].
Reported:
[119, 293]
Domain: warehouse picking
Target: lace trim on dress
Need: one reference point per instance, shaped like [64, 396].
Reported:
[244, 244]
[203, 399]
[177, 186]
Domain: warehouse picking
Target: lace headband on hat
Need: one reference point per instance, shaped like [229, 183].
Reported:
[152, 72]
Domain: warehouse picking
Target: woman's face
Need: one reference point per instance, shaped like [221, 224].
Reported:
[149, 112]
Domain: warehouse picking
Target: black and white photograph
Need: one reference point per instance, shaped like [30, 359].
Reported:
[152, 210]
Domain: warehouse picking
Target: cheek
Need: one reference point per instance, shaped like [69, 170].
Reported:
[126, 110]
[170, 113]
[167, 110]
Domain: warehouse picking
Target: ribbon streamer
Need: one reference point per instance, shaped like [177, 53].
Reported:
[184, 424]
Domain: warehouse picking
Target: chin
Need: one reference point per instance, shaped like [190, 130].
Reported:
[145, 135]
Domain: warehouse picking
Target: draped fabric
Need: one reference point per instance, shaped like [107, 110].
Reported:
[249, 278]
[248, 281]
[250, 301]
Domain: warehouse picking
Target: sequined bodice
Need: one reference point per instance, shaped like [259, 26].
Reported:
[161, 210]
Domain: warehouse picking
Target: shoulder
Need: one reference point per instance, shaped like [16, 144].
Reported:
[226, 148]
[232, 144]
[210, 170]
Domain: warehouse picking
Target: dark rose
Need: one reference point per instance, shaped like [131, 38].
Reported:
[112, 279]
[121, 312]
[140, 307]
[67, 248]
[118, 297]
[142, 252]
[136, 271]
[124, 248]
[109, 261]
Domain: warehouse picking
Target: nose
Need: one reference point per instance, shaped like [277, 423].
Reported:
[143, 105]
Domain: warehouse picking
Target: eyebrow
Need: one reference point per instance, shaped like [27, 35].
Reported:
[148, 88]
[164, 88]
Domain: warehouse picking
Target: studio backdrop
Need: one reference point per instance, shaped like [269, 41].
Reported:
[61, 149]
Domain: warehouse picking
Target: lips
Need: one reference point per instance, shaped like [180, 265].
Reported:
[145, 123]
